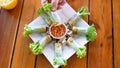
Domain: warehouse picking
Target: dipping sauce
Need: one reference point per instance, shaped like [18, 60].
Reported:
[58, 30]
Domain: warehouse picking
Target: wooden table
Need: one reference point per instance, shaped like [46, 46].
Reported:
[102, 53]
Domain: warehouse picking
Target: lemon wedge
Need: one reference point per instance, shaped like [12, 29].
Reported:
[8, 4]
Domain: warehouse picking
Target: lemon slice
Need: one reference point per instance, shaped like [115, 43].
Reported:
[8, 4]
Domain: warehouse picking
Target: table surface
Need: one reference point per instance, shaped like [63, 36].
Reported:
[102, 53]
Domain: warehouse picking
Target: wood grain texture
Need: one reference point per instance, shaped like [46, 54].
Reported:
[116, 22]
[42, 61]
[8, 26]
[23, 57]
[74, 61]
[100, 51]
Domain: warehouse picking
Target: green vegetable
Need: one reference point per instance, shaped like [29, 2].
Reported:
[38, 46]
[81, 49]
[40, 10]
[37, 29]
[47, 14]
[90, 32]
[45, 8]
[81, 52]
[59, 60]
[83, 12]
[27, 30]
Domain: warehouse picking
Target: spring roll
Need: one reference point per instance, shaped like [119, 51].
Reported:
[37, 29]
[81, 49]
[80, 14]
[38, 46]
[59, 60]
[47, 14]
[89, 32]
[72, 21]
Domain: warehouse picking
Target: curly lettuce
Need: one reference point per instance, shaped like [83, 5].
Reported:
[27, 30]
[45, 8]
[83, 11]
[36, 48]
[91, 33]
[60, 61]
[81, 52]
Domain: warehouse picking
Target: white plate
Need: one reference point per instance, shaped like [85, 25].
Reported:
[65, 13]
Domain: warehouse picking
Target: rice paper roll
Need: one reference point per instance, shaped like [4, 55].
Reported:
[74, 19]
[47, 39]
[59, 60]
[47, 14]
[89, 32]
[35, 29]
[80, 49]
[54, 17]
[51, 17]
[39, 29]
[37, 47]
[46, 18]
[80, 14]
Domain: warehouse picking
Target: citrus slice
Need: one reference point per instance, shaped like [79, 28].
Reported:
[8, 4]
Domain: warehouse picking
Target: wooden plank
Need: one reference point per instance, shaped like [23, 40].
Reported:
[100, 51]
[75, 62]
[42, 62]
[116, 20]
[8, 26]
[23, 57]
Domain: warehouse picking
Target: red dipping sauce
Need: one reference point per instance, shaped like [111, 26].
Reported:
[57, 30]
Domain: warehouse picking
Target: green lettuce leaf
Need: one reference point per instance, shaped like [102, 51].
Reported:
[36, 48]
[27, 30]
[91, 33]
[45, 8]
[83, 12]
